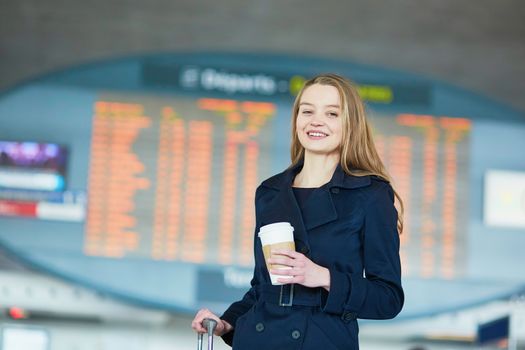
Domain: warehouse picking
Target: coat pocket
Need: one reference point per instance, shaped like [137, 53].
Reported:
[341, 335]
[316, 338]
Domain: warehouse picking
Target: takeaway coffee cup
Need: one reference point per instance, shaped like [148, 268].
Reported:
[275, 236]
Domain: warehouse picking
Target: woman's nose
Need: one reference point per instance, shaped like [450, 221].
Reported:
[316, 120]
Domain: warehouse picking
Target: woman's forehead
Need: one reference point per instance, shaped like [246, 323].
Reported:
[323, 95]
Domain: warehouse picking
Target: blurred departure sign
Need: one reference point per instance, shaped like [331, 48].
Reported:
[209, 79]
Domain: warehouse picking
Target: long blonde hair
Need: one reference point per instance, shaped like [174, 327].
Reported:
[359, 156]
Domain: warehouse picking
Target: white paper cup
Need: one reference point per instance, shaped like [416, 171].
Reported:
[275, 236]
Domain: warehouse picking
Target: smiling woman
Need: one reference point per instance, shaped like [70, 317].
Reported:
[337, 197]
[340, 101]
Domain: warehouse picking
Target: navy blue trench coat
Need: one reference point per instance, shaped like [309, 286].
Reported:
[348, 226]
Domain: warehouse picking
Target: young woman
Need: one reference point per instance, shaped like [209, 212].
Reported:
[337, 196]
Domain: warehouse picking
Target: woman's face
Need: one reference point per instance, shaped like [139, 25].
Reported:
[319, 122]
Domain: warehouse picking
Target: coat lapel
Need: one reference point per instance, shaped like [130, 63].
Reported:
[284, 207]
[319, 209]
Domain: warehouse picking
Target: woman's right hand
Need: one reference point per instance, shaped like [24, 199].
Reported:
[223, 327]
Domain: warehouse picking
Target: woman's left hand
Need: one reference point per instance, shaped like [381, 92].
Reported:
[303, 270]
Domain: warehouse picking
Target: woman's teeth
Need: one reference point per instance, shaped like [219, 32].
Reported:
[316, 134]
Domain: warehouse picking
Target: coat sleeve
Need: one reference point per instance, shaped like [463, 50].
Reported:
[376, 292]
[239, 308]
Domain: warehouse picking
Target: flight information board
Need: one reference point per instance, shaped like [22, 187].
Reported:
[174, 179]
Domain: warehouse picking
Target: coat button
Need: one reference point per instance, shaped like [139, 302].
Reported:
[296, 334]
[349, 316]
[334, 190]
[259, 327]
[304, 250]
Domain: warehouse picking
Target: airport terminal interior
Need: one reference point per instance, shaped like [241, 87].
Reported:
[133, 136]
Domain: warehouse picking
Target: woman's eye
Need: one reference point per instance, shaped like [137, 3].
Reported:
[333, 114]
[306, 111]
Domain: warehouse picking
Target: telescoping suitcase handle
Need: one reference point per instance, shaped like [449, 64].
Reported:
[210, 325]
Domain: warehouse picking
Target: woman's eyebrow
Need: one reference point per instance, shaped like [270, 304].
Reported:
[311, 104]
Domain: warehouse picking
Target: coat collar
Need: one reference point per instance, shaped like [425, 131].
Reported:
[340, 179]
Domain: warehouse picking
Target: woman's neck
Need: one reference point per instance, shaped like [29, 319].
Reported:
[317, 170]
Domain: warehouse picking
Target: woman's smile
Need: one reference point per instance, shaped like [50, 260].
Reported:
[316, 135]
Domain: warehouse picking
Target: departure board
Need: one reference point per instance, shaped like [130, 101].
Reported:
[174, 179]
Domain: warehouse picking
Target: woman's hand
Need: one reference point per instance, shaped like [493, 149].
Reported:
[223, 327]
[303, 270]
